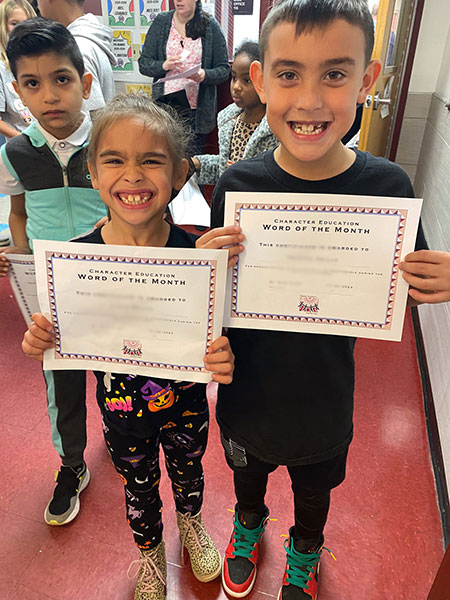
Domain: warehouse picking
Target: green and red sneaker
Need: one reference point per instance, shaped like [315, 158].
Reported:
[301, 572]
[241, 555]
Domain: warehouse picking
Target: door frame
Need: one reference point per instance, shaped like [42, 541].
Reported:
[405, 79]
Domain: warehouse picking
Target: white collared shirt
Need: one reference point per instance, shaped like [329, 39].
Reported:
[64, 149]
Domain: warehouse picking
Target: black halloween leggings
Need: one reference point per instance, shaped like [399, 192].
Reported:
[183, 441]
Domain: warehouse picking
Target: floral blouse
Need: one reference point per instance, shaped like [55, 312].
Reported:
[177, 45]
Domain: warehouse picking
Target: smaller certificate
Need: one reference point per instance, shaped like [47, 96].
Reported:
[321, 263]
[22, 277]
[127, 309]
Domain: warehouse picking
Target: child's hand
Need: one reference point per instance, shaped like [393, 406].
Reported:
[4, 262]
[224, 237]
[220, 360]
[38, 337]
[428, 272]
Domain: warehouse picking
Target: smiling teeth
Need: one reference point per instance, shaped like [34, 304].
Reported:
[134, 199]
[307, 129]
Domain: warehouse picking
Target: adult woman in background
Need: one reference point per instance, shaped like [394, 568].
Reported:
[179, 40]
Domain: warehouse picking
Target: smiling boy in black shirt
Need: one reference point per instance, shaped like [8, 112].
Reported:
[291, 400]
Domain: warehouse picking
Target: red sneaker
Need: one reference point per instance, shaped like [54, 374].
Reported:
[241, 555]
[301, 573]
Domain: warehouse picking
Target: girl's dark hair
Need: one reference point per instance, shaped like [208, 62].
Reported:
[308, 14]
[196, 27]
[39, 36]
[251, 49]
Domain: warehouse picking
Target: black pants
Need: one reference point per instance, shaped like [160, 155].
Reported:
[66, 401]
[311, 485]
[183, 441]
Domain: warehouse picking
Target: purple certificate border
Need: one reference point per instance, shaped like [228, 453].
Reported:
[401, 214]
[16, 281]
[51, 257]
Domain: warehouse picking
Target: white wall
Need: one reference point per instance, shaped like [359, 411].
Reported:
[246, 27]
[431, 73]
[433, 36]
[443, 82]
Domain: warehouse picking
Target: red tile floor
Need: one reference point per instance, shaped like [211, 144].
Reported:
[384, 526]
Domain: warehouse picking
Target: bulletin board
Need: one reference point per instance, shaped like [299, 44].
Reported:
[130, 20]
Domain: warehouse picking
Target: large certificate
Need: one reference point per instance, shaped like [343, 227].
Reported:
[144, 311]
[321, 263]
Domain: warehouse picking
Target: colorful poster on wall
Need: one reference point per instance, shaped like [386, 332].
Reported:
[120, 13]
[149, 9]
[130, 20]
[139, 88]
[123, 50]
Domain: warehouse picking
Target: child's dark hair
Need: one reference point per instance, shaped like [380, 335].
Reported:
[160, 120]
[308, 14]
[39, 36]
[251, 49]
[196, 27]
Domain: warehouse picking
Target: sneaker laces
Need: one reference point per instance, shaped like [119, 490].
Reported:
[193, 527]
[146, 565]
[244, 539]
[300, 565]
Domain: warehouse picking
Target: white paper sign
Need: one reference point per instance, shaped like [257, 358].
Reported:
[189, 207]
[192, 71]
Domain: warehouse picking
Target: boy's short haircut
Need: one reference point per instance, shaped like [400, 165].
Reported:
[308, 14]
[39, 36]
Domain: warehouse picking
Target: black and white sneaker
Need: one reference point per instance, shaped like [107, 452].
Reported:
[65, 504]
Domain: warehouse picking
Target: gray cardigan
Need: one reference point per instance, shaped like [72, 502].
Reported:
[214, 165]
[214, 62]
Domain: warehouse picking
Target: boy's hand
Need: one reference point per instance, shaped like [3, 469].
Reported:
[224, 237]
[38, 337]
[4, 262]
[428, 274]
[220, 360]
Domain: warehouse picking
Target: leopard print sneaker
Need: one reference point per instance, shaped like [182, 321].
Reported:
[151, 574]
[206, 563]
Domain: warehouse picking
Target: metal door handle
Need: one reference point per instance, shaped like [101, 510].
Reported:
[377, 101]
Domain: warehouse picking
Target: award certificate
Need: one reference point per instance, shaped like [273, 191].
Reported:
[22, 277]
[127, 309]
[321, 263]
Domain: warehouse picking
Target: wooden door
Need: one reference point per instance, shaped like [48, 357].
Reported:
[392, 34]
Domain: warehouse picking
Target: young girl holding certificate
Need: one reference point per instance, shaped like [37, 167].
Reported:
[136, 161]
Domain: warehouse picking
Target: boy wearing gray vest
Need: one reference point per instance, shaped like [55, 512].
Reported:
[44, 170]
